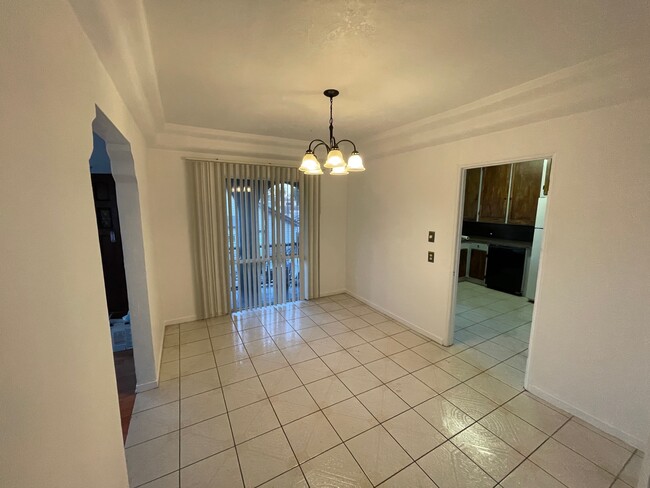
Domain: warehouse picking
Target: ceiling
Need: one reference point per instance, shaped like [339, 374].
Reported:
[260, 66]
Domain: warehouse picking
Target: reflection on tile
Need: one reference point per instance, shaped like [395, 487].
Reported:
[444, 416]
[378, 454]
[470, 401]
[293, 404]
[447, 466]
[335, 468]
[219, 470]
[519, 434]
[569, 467]
[492, 388]
[237, 371]
[310, 436]
[414, 434]
[488, 451]
[544, 418]
[349, 418]
[265, 457]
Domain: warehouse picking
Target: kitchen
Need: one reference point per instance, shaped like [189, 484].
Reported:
[503, 226]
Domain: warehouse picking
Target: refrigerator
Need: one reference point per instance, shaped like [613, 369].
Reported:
[533, 263]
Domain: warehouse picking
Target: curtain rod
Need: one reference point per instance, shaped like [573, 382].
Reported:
[230, 161]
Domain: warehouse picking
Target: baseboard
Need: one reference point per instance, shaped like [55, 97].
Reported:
[397, 318]
[150, 385]
[180, 320]
[332, 293]
[609, 429]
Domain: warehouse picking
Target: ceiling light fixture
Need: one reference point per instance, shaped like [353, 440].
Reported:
[335, 160]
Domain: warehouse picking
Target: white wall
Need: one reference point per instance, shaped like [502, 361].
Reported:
[171, 199]
[590, 339]
[60, 417]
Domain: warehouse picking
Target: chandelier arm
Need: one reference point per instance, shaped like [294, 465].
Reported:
[353, 144]
[320, 141]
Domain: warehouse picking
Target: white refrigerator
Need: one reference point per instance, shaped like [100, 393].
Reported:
[533, 263]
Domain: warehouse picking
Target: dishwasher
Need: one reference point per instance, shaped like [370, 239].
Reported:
[505, 268]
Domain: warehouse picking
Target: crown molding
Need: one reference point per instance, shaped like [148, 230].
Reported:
[119, 33]
[252, 147]
[611, 79]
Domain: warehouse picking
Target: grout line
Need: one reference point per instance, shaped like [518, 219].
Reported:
[408, 372]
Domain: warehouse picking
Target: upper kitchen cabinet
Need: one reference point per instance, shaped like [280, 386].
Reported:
[494, 193]
[472, 191]
[524, 195]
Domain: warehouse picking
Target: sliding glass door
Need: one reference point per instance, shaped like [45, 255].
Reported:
[263, 214]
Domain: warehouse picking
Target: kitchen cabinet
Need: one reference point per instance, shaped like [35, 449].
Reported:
[477, 262]
[462, 263]
[506, 193]
[472, 191]
[494, 193]
[524, 193]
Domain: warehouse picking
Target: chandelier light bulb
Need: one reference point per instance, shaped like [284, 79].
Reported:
[309, 162]
[339, 170]
[355, 163]
[334, 159]
[316, 171]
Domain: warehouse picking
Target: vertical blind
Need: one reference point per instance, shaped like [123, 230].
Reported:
[257, 235]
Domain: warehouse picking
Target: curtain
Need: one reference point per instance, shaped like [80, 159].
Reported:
[257, 235]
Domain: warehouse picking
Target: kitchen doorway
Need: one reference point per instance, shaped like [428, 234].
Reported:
[500, 232]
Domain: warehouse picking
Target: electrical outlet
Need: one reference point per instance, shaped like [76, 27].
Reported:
[430, 257]
[432, 236]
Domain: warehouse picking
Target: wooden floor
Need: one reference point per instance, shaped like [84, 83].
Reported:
[125, 373]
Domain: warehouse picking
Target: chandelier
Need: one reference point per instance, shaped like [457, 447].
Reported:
[335, 161]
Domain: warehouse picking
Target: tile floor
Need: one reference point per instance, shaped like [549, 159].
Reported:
[332, 393]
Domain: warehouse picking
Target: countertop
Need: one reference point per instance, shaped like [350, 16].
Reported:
[499, 242]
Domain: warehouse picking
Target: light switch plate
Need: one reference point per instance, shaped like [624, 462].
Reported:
[432, 236]
[430, 257]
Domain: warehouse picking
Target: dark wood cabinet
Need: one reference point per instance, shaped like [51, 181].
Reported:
[525, 192]
[462, 264]
[477, 262]
[472, 186]
[494, 193]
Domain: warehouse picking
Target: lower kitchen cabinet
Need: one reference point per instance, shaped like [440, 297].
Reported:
[477, 262]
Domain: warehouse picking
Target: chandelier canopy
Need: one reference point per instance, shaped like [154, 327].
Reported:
[335, 160]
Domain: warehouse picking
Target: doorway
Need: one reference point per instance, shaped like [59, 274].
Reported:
[500, 232]
[112, 255]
